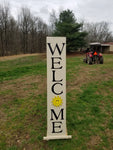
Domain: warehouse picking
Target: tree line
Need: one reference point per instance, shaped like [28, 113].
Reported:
[27, 34]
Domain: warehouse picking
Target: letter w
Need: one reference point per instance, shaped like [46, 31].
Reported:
[56, 46]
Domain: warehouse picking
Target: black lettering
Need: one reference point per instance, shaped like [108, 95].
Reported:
[56, 62]
[57, 116]
[58, 126]
[56, 46]
[53, 88]
[54, 79]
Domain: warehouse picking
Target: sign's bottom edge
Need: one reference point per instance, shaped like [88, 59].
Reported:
[47, 138]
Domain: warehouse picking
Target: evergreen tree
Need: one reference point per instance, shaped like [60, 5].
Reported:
[67, 26]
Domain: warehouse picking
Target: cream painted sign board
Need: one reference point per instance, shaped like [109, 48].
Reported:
[56, 88]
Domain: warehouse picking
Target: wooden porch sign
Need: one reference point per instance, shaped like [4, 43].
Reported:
[56, 88]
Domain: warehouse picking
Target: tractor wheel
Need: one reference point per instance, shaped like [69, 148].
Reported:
[89, 61]
[86, 60]
[101, 60]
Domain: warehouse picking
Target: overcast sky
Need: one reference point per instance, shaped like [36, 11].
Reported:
[89, 10]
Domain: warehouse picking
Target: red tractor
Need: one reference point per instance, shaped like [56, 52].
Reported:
[93, 55]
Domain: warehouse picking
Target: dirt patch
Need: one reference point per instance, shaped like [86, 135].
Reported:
[94, 140]
[109, 134]
[21, 88]
[73, 54]
[2, 115]
[43, 55]
[16, 89]
[5, 58]
[84, 77]
[87, 75]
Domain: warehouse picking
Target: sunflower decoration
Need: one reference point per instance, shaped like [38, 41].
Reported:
[57, 101]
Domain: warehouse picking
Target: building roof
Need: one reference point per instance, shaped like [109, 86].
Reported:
[110, 43]
[105, 44]
[95, 43]
[101, 44]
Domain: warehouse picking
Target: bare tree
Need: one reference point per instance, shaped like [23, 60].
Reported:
[53, 20]
[98, 32]
[33, 32]
[42, 33]
[4, 28]
[14, 37]
[24, 20]
[33, 35]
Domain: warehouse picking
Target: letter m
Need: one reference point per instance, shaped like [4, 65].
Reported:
[57, 116]
[56, 47]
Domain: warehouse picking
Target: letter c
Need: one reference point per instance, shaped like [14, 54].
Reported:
[53, 89]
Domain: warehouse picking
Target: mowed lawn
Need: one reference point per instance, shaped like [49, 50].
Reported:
[23, 104]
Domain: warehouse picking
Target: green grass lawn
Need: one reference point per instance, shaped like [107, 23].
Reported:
[23, 105]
